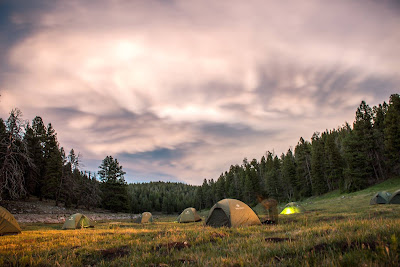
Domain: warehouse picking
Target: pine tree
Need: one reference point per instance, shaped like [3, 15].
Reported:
[392, 134]
[289, 175]
[334, 163]
[113, 185]
[357, 151]
[303, 168]
[378, 135]
[318, 165]
[36, 141]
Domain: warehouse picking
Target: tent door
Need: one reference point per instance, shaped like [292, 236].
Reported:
[218, 218]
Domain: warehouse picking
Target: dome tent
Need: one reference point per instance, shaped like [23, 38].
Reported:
[145, 217]
[381, 197]
[8, 224]
[77, 221]
[292, 207]
[231, 213]
[395, 199]
[188, 215]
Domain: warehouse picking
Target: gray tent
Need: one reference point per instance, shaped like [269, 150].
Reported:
[395, 199]
[231, 213]
[381, 197]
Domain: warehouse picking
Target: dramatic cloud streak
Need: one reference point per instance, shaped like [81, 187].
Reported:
[180, 90]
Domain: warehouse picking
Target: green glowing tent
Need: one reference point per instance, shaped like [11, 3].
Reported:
[292, 207]
[231, 213]
[8, 224]
[77, 221]
[381, 197]
[395, 199]
[145, 217]
[188, 215]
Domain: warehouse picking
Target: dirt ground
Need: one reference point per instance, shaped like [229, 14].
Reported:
[33, 210]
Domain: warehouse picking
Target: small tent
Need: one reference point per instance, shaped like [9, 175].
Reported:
[145, 217]
[395, 199]
[292, 207]
[231, 213]
[77, 221]
[380, 198]
[189, 215]
[8, 224]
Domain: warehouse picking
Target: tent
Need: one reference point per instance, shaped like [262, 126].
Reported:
[292, 207]
[395, 199]
[77, 221]
[145, 217]
[381, 197]
[8, 224]
[189, 215]
[231, 213]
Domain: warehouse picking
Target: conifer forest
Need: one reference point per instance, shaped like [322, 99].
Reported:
[348, 158]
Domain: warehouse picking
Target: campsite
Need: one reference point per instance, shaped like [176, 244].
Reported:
[335, 229]
[199, 133]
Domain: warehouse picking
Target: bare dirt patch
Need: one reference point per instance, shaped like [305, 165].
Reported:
[174, 245]
[112, 253]
[278, 239]
[331, 219]
[344, 246]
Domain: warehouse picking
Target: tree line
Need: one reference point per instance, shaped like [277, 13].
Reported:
[32, 163]
[349, 158]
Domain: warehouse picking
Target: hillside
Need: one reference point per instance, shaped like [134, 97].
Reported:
[335, 202]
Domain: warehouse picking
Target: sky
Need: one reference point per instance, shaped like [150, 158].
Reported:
[180, 90]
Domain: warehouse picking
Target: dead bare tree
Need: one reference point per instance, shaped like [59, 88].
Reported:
[13, 156]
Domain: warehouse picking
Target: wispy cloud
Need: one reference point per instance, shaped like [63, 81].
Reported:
[182, 89]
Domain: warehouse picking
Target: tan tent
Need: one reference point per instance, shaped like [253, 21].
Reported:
[8, 224]
[77, 221]
[145, 217]
[231, 213]
[188, 215]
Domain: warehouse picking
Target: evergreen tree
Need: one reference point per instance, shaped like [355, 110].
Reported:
[54, 166]
[220, 187]
[36, 141]
[379, 163]
[303, 168]
[334, 163]
[358, 150]
[392, 134]
[113, 185]
[289, 175]
[318, 165]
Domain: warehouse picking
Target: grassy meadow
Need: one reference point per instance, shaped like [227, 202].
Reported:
[337, 229]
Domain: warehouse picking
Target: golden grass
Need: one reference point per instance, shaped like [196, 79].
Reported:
[335, 231]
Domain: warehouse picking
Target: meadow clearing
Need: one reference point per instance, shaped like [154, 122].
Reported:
[337, 230]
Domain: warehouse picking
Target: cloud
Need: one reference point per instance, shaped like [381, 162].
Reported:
[200, 84]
